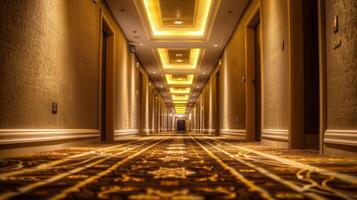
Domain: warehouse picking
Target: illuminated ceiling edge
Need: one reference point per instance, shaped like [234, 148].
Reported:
[212, 17]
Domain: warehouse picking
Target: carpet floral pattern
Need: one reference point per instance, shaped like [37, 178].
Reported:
[177, 167]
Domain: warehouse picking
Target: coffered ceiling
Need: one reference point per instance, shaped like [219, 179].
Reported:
[179, 42]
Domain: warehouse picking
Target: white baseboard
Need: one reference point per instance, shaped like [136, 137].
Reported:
[276, 134]
[121, 132]
[341, 137]
[235, 132]
[209, 130]
[18, 136]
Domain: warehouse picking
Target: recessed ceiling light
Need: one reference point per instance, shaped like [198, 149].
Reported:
[154, 72]
[161, 86]
[178, 22]
[215, 45]
[141, 44]
[203, 73]
[179, 55]
[179, 60]
[198, 87]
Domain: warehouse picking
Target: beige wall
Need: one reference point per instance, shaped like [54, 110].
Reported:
[232, 72]
[232, 87]
[206, 106]
[341, 65]
[50, 53]
[163, 116]
[207, 97]
[341, 78]
[275, 64]
[147, 105]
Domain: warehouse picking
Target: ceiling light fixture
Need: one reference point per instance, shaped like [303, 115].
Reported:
[178, 22]
[164, 57]
[180, 97]
[180, 90]
[171, 80]
[215, 45]
[154, 16]
[180, 102]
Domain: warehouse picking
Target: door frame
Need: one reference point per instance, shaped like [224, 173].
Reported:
[253, 20]
[322, 71]
[296, 74]
[106, 25]
[217, 99]
[296, 137]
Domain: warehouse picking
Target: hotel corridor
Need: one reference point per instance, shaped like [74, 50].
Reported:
[178, 99]
[177, 166]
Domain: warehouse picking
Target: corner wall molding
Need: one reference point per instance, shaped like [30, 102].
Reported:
[121, 132]
[341, 137]
[235, 132]
[277, 134]
[18, 136]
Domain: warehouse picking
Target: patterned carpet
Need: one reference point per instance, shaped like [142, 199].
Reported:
[177, 167]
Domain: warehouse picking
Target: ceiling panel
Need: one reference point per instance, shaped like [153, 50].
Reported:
[177, 13]
[221, 20]
[179, 56]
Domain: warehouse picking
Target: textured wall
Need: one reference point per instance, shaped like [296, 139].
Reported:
[232, 72]
[275, 64]
[147, 106]
[123, 64]
[207, 106]
[341, 65]
[49, 52]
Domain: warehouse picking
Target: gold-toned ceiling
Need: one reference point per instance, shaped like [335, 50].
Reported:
[178, 13]
[178, 20]
[179, 56]
[179, 59]
[173, 19]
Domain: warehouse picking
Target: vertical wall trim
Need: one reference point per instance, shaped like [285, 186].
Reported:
[296, 74]
[322, 71]
[250, 87]
[110, 70]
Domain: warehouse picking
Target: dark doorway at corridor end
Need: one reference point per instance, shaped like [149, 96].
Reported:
[181, 125]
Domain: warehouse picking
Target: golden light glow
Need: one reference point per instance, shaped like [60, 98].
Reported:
[180, 102]
[180, 90]
[171, 80]
[179, 97]
[180, 112]
[180, 109]
[180, 105]
[165, 59]
[154, 16]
